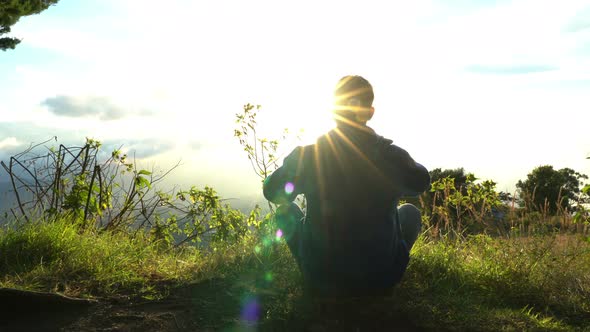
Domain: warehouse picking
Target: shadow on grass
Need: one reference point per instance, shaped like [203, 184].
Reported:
[432, 296]
[250, 304]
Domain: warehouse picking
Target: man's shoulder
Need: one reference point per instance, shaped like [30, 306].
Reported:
[308, 149]
[390, 151]
[385, 142]
[386, 145]
[299, 153]
[308, 152]
[301, 150]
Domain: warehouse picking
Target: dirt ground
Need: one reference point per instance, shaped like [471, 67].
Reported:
[207, 306]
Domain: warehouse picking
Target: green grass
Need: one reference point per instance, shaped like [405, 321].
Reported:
[472, 283]
[494, 284]
[57, 256]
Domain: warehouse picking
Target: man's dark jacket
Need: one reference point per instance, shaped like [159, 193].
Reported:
[352, 180]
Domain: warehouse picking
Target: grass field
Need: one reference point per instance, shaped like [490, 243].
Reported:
[465, 283]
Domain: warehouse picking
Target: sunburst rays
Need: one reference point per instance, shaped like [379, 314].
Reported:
[357, 150]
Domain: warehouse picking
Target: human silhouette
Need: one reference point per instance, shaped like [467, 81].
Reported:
[353, 238]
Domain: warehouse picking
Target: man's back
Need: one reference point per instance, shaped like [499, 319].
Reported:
[352, 180]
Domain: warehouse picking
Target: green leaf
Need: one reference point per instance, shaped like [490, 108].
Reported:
[144, 172]
[141, 182]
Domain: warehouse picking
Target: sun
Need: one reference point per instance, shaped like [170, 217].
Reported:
[314, 123]
[307, 120]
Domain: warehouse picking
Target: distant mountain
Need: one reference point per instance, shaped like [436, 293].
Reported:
[7, 199]
[245, 204]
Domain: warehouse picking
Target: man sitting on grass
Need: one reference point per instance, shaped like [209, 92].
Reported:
[353, 239]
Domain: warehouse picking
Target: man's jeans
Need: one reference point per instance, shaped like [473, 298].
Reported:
[410, 221]
[289, 219]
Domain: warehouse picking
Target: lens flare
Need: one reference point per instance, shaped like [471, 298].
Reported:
[279, 234]
[268, 276]
[250, 310]
[289, 187]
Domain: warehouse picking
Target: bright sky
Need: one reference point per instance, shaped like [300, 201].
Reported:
[496, 87]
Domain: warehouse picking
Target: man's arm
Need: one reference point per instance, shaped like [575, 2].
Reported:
[412, 176]
[284, 184]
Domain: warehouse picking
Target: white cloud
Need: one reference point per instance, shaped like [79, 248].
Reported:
[9, 142]
[101, 107]
[141, 149]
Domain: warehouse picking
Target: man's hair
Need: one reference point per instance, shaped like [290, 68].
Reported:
[355, 91]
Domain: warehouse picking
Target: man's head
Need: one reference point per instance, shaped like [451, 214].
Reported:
[353, 100]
